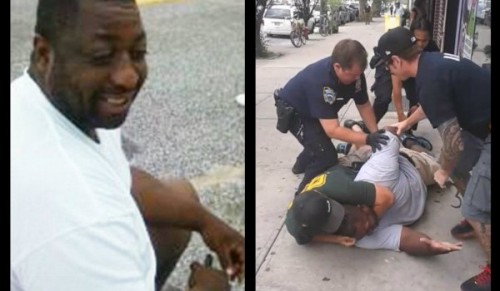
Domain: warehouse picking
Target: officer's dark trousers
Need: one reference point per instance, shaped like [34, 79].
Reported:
[319, 153]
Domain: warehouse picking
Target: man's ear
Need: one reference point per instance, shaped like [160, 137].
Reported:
[42, 54]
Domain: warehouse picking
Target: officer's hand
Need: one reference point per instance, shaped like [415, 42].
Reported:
[377, 139]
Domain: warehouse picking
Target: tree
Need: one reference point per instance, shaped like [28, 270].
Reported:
[376, 7]
[260, 6]
[306, 7]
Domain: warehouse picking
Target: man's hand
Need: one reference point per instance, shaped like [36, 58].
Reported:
[441, 247]
[441, 177]
[377, 139]
[401, 116]
[206, 278]
[228, 244]
[401, 126]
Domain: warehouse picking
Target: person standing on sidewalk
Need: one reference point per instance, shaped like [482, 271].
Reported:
[455, 95]
[309, 103]
[367, 14]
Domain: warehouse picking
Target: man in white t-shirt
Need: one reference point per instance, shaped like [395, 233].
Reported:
[81, 217]
[359, 225]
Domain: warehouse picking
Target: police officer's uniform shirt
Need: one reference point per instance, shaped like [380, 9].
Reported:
[449, 86]
[315, 92]
[337, 183]
[74, 223]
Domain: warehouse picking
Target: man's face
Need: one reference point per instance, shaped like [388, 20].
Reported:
[395, 66]
[97, 69]
[361, 220]
[422, 37]
[349, 75]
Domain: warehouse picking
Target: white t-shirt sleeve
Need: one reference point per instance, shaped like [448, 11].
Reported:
[387, 238]
[105, 256]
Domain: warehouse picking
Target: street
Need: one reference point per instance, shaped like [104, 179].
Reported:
[281, 263]
[185, 120]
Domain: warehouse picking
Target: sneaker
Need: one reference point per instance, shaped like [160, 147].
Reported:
[463, 230]
[480, 282]
[343, 148]
[298, 168]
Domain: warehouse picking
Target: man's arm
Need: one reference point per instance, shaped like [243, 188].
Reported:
[384, 199]
[159, 205]
[411, 120]
[335, 239]
[452, 144]
[451, 150]
[368, 116]
[418, 244]
[396, 97]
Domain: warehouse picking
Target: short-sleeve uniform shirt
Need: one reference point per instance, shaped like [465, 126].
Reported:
[449, 86]
[316, 93]
[337, 183]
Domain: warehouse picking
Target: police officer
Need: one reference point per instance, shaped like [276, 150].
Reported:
[455, 95]
[309, 103]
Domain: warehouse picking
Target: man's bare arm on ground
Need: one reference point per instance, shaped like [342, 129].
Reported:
[416, 243]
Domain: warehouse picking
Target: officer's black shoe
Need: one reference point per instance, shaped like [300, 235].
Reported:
[298, 168]
[480, 282]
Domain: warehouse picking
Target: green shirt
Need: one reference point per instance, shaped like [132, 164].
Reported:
[337, 183]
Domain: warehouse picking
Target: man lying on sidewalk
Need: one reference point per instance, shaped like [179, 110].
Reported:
[317, 214]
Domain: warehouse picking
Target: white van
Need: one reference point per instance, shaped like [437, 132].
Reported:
[277, 20]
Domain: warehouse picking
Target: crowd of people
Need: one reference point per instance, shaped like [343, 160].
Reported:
[370, 196]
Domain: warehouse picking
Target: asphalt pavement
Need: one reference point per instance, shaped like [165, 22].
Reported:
[185, 121]
[282, 264]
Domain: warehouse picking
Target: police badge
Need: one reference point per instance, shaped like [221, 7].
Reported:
[357, 87]
[329, 95]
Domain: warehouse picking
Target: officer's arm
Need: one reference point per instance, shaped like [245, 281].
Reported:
[452, 144]
[333, 129]
[396, 97]
[368, 116]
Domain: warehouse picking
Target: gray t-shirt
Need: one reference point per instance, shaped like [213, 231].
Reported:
[387, 168]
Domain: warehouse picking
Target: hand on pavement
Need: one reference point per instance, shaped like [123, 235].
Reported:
[441, 247]
[377, 139]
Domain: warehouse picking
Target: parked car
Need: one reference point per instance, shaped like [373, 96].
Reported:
[351, 13]
[487, 17]
[278, 20]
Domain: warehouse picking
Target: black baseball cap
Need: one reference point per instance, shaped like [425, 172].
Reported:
[317, 211]
[391, 43]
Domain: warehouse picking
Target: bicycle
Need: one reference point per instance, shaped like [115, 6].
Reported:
[299, 33]
[324, 26]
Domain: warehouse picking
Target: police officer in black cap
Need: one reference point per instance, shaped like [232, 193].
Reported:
[309, 103]
[455, 95]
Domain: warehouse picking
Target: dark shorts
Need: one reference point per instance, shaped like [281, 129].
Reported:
[477, 197]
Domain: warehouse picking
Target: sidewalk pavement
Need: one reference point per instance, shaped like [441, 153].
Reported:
[282, 264]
